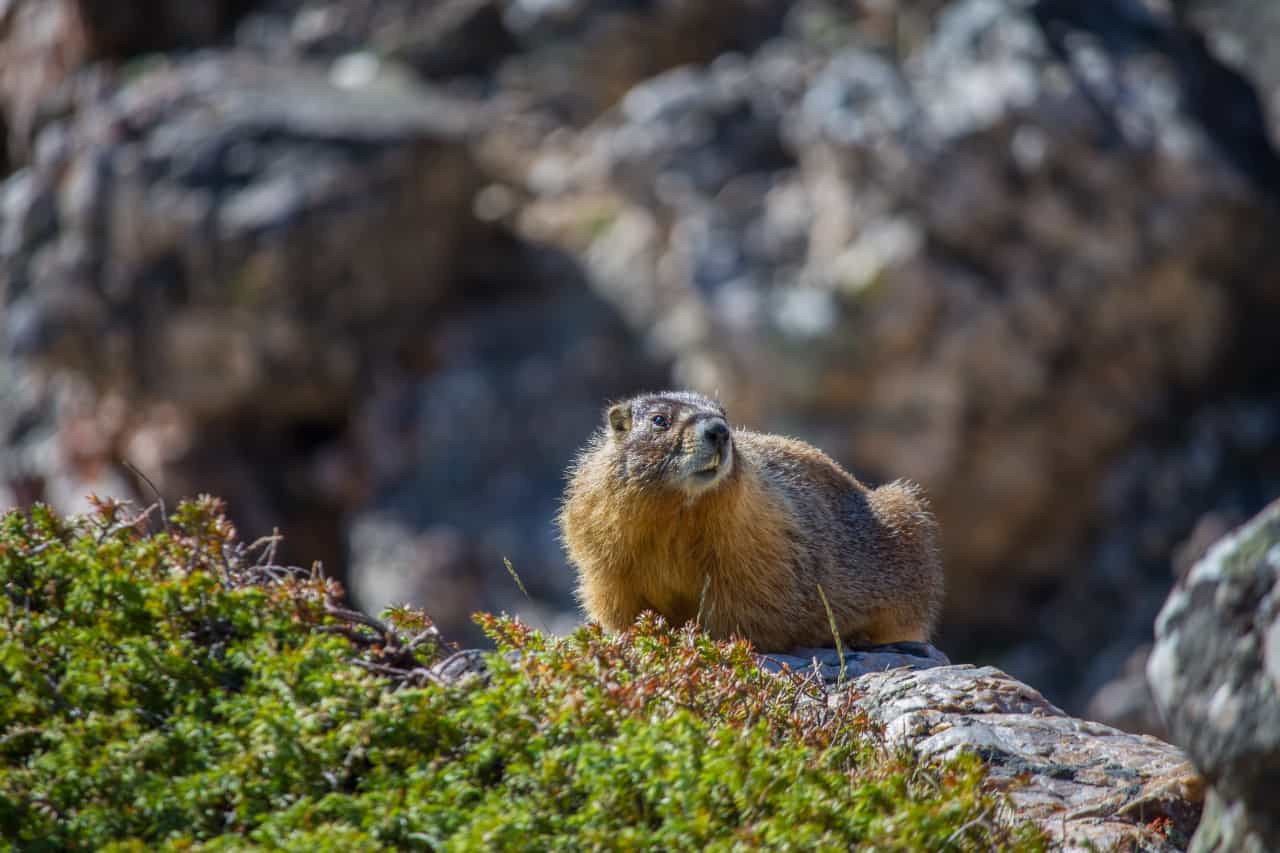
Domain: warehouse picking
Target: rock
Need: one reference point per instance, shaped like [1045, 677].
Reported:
[1215, 674]
[460, 666]
[827, 664]
[583, 56]
[1089, 786]
[438, 40]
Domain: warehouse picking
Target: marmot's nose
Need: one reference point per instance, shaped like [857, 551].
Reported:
[714, 432]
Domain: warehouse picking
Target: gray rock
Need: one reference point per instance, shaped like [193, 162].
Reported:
[459, 666]
[45, 44]
[1089, 786]
[827, 664]
[1214, 675]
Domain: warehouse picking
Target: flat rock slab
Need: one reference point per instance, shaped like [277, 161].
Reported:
[1090, 786]
[826, 663]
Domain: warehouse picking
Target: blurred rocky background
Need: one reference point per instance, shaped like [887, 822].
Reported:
[369, 269]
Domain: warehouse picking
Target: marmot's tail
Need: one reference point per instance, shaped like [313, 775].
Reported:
[903, 511]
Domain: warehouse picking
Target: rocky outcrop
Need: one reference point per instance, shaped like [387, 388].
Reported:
[1089, 786]
[833, 668]
[1215, 674]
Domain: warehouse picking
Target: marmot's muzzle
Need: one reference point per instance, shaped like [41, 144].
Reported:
[711, 455]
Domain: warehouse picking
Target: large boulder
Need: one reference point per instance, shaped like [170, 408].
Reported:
[1215, 674]
[1089, 786]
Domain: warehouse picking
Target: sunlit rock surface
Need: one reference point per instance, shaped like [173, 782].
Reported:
[1215, 674]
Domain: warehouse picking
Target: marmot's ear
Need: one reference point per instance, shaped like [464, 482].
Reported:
[619, 417]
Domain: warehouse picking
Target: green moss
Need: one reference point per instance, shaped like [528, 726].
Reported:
[168, 690]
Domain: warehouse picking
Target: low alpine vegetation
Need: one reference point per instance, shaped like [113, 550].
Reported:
[173, 688]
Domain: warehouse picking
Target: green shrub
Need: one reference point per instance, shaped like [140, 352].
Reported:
[174, 689]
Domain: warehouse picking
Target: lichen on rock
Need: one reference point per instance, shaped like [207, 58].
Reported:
[1215, 674]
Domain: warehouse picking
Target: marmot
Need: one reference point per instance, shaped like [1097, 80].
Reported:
[669, 509]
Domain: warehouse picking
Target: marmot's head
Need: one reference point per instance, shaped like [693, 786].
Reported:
[675, 439]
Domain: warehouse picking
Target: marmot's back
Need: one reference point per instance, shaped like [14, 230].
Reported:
[670, 510]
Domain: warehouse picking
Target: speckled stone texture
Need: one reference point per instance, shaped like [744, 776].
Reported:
[1090, 786]
[1215, 674]
[1084, 782]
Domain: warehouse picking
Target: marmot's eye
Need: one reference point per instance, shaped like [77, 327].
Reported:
[660, 421]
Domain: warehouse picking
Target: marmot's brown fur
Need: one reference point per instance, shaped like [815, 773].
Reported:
[667, 502]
